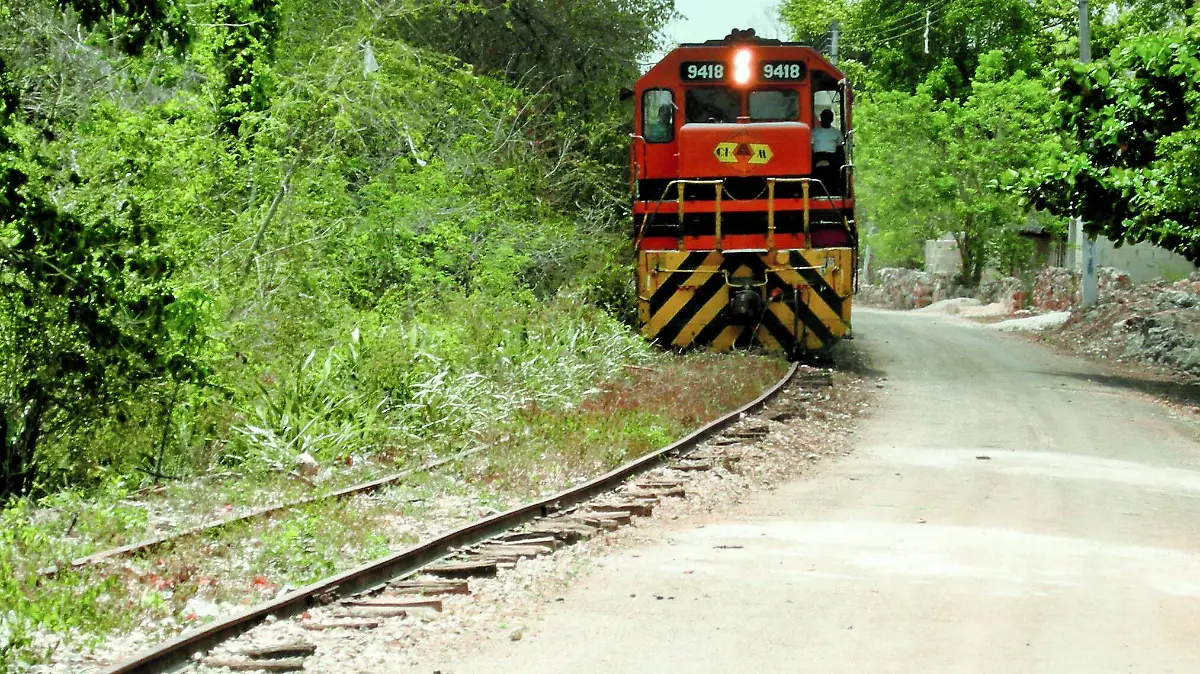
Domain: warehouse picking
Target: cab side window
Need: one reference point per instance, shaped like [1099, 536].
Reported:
[658, 116]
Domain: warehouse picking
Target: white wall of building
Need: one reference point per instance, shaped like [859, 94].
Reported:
[942, 256]
[1144, 262]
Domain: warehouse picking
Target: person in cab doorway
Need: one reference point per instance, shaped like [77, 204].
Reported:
[827, 144]
[825, 138]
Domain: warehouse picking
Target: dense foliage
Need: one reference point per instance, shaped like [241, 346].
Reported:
[966, 103]
[947, 156]
[235, 230]
[1134, 119]
[885, 40]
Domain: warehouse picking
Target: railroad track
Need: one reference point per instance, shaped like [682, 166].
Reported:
[258, 513]
[389, 587]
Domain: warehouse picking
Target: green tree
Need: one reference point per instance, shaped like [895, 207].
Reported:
[1134, 119]
[84, 296]
[885, 39]
[930, 168]
[243, 45]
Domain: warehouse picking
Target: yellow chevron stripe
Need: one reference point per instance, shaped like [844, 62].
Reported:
[659, 320]
[788, 318]
[707, 314]
[727, 338]
[840, 281]
[819, 307]
[683, 295]
[768, 340]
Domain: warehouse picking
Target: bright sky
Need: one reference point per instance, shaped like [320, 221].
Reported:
[713, 19]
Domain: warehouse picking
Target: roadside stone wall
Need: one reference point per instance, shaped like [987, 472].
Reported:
[909, 289]
[1057, 289]
[1008, 291]
[1156, 323]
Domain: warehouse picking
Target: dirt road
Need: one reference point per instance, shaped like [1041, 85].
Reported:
[1007, 510]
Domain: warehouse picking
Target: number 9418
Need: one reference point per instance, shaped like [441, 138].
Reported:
[783, 71]
[706, 71]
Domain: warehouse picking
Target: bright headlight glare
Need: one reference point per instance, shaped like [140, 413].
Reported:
[741, 66]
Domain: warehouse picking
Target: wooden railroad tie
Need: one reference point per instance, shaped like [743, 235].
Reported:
[465, 569]
[510, 553]
[289, 665]
[430, 587]
[297, 649]
[339, 625]
[655, 496]
[660, 483]
[404, 602]
[749, 434]
[726, 461]
[566, 530]
[691, 466]
[356, 611]
[635, 508]
[815, 379]
[531, 538]
[605, 520]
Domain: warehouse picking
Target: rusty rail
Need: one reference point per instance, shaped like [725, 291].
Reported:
[257, 513]
[177, 652]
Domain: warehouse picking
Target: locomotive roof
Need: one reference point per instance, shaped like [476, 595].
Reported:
[738, 38]
[748, 36]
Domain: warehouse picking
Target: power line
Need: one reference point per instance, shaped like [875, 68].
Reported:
[902, 21]
[920, 28]
[887, 26]
[917, 23]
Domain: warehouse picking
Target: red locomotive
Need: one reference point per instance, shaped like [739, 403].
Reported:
[743, 197]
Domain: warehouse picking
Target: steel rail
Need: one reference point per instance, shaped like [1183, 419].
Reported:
[257, 513]
[177, 653]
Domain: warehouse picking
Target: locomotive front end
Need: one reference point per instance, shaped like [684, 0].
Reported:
[743, 198]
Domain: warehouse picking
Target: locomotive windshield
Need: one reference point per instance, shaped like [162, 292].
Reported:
[712, 105]
[774, 105]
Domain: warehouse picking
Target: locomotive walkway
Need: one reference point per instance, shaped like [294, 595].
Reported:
[1007, 510]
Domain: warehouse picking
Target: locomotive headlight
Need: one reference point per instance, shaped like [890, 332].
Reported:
[741, 66]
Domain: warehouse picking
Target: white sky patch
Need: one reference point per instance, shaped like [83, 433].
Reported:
[714, 19]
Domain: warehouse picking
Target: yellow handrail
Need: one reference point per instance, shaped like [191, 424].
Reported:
[770, 215]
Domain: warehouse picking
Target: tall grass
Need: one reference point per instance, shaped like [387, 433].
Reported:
[406, 387]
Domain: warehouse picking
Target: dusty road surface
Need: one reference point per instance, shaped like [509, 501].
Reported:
[1007, 510]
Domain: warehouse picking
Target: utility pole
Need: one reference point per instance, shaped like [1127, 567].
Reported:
[834, 31]
[927, 14]
[1087, 245]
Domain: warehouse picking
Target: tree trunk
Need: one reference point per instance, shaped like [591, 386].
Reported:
[967, 257]
[19, 449]
[971, 250]
[4, 452]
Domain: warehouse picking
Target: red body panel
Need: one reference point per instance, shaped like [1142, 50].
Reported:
[743, 150]
[767, 149]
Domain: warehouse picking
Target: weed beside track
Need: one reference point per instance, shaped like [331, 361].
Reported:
[120, 605]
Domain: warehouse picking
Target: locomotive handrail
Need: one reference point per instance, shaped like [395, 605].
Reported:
[639, 143]
[682, 184]
[804, 186]
[702, 270]
[847, 169]
[646, 216]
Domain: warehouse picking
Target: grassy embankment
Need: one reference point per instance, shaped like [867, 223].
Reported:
[533, 451]
[374, 266]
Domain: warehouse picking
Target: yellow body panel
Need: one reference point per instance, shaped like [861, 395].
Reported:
[789, 300]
